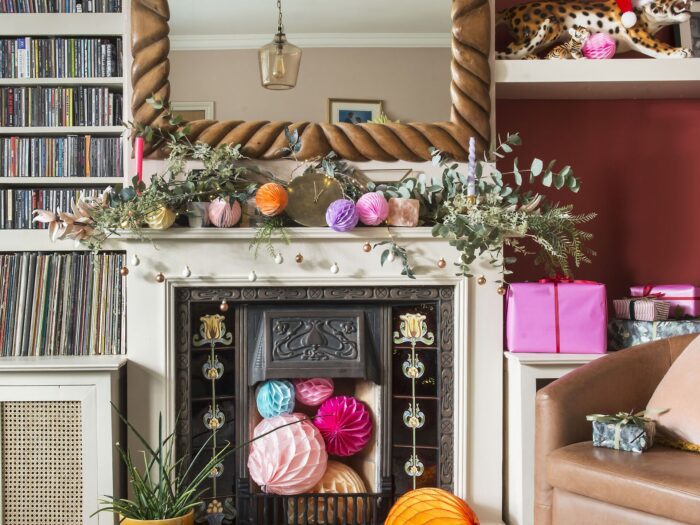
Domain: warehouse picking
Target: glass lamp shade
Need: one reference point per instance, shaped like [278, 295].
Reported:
[279, 63]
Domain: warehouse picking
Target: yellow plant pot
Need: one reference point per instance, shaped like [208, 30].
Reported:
[184, 520]
[161, 219]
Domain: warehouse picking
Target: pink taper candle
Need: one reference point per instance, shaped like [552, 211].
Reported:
[138, 153]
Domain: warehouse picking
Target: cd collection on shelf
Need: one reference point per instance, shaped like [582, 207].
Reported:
[17, 205]
[60, 6]
[70, 156]
[59, 106]
[62, 304]
[60, 57]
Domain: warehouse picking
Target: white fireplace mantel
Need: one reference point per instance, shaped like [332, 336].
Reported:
[221, 257]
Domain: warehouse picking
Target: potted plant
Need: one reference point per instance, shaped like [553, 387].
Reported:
[165, 490]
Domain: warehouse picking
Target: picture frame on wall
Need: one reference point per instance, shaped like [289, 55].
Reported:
[190, 111]
[353, 111]
[690, 31]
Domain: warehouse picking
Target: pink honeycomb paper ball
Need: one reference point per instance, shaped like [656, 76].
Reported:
[289, 459]
[224, 215]
[313, 392]
[599, 46]
[372, 208]
[345, 424]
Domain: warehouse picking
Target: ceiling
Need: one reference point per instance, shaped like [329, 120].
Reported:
[219, 24]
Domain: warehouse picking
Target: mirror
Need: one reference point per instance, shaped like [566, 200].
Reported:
[406, 79]
[393, 51]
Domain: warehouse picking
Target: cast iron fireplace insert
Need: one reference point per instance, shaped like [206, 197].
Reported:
[287, 333]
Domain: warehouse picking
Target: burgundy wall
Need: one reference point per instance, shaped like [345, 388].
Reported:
[639, 161]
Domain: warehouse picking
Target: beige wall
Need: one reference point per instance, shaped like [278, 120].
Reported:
[413, 83]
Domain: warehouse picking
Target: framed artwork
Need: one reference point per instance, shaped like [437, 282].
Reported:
[352, 111]
[190, 111]
[388, 176]
[690, 31]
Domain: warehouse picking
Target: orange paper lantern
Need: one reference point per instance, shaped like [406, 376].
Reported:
[431, 506]
[271, 199]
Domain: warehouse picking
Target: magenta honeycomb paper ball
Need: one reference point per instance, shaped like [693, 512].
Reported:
[372, 208]
[345, 424]
[313, 392]
[341, 215]
[290, 459]
[599, 46]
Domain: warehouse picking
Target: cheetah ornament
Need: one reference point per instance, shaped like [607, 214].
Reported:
[537, 25]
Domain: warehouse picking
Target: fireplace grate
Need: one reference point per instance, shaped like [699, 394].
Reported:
[320, 509]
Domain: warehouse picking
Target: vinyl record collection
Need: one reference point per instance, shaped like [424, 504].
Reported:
[17, 205]
[60, 6]
[59, 57]
[71, 156]
[61, 304]
[60, 106]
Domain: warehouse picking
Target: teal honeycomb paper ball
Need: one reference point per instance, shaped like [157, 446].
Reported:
[275, 397]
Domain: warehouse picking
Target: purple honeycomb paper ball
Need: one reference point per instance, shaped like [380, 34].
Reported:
[342, 215]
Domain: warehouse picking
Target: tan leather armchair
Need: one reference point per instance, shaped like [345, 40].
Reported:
[576, 483]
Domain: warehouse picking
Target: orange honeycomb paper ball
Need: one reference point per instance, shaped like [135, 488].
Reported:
[271, 199]
[431, 506]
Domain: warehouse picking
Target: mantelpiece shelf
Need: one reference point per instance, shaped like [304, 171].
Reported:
[598, 79]
[73, 24]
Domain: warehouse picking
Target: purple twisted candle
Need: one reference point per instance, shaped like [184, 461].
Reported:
[342, 215]
[471, 169]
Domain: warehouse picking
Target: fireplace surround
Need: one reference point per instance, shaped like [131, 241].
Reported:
[220, 259]
[348, 334]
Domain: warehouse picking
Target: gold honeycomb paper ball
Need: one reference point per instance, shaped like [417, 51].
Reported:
[338, 479]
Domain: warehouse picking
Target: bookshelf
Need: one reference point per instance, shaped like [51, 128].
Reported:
[36, 243]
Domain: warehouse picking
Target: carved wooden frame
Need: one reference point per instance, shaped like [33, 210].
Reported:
[470, 91]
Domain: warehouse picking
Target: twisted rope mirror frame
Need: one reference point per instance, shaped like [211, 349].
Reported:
[470, 92]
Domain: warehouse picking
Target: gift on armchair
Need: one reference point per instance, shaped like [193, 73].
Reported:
[557, 316]
[624, 431]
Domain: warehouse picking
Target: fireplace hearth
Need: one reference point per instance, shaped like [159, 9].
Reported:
[358, 336]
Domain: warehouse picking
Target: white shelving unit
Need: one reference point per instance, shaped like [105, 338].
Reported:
[598, 79]
[113, 82]
[65, 25]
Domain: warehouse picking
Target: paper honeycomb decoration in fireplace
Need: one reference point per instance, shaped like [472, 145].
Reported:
[387, 352]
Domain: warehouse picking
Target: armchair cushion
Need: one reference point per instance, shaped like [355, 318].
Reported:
[662, 481]
[679, 392]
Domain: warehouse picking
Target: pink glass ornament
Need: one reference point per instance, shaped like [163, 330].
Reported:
[290, 459]
[224, 215]
[372, 208]
[599, 46]
[313, 392]
[341, 215]
[345, 424]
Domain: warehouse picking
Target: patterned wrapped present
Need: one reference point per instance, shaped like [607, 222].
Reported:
[683, 298]
[641, 309]
[557, 316]
[623, 431]
[625, 333]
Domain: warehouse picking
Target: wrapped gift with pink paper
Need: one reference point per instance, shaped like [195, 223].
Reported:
[557, 315]
[683, 298]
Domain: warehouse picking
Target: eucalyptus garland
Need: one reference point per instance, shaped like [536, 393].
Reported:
[482, 212]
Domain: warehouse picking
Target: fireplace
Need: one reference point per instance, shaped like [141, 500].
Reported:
[364, 338]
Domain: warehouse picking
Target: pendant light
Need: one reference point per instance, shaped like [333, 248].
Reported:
[279, 60]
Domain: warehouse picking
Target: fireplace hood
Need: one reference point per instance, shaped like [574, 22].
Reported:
[336, 341]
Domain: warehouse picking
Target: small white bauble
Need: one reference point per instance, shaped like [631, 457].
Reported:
[186, 272]
[279, 259]
[135, 261]
[252, 276]
[391, 257]
[335, 268]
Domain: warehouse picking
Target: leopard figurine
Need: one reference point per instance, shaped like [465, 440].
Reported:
[539, 24]
[572, 48]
